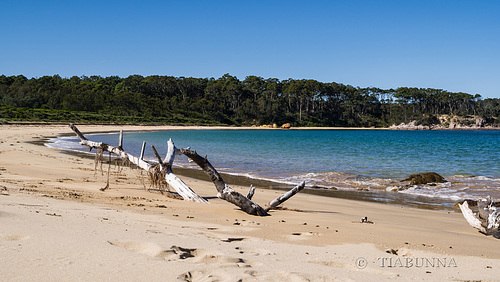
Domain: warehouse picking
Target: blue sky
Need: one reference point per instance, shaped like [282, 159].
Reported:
[451, 45]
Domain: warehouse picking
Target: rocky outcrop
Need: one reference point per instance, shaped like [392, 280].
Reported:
[410, 126]
[286, 126]
[449, 122]
[468, 122]
[424, 178]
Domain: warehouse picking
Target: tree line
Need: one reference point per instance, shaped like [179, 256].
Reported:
[228, 100]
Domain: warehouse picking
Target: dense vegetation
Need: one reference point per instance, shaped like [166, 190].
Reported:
[227, 100]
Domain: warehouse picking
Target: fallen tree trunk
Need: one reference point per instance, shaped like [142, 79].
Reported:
[227, 193]
[251, 191]
[118, 151]
[179, 186]
[470, 217]
[175, 181]
[487, 219]
[224, 191]
[276, 202]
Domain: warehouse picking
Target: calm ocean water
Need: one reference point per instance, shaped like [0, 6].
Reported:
[355, 160]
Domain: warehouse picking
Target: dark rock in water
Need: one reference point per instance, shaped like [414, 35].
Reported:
[424, 178]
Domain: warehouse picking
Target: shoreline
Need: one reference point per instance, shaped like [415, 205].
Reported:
[381, 197]
[234, 127]
[56, 224]
[377, 194]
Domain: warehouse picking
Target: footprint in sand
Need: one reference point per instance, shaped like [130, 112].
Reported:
[200, 275]
[206, 258]
[155, 250]
[179, 253]
[302, 235]
[217, 275]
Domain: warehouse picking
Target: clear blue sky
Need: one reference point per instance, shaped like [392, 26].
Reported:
[451, 45]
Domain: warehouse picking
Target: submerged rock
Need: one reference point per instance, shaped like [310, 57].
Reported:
[424, 178]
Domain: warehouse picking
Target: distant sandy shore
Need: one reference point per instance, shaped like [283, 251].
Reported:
[56, 225]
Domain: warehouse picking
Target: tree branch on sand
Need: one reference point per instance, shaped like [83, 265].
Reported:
[487, 218]
[180, 187]
[163, 169]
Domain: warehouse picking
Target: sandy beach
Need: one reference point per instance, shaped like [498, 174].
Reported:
[56, 224]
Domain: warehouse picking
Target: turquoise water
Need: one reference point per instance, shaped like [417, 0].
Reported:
[374, 160]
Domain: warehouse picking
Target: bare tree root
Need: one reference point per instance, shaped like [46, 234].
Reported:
[109, 170]
[157, 178]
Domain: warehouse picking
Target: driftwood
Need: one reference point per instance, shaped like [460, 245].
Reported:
[278, 201]
[227, 193]
[487, 219]
[180, 187]
[251, 192]
[224, 191]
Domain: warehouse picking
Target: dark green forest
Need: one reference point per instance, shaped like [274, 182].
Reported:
[228, 101]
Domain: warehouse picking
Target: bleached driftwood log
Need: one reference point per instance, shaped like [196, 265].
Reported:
[112, 149]
[251, 192]
[179, 186]
[471, 217]
[487, 219]
[276, 202]
[227, 193]
[224, 191]
[172, 179]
